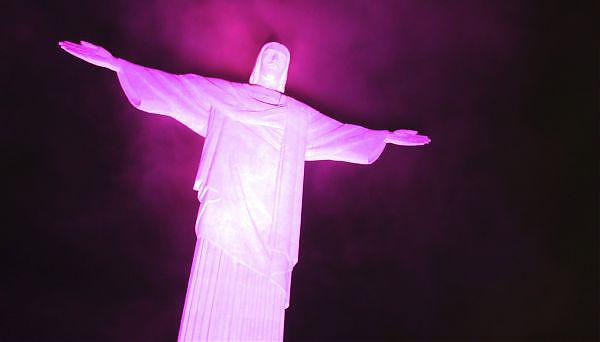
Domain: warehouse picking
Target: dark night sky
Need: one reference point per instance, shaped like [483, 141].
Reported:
[491, 231]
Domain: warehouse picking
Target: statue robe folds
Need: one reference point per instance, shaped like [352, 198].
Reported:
[250, 177]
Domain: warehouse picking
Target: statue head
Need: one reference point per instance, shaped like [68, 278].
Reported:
[271, 68]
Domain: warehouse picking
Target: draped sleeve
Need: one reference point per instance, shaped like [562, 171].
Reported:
[186, 98]
[329, 139]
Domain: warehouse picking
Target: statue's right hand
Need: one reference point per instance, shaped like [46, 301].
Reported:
[91, 53]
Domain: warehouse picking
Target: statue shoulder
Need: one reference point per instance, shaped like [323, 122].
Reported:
[218, 82]
[219, 89]
[299, 106]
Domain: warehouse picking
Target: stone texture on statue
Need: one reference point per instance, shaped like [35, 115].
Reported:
[249, 184]
[250, 177]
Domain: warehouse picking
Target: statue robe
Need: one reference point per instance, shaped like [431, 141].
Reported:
[249, 185]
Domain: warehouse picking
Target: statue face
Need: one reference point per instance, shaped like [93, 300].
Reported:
[273, 64]
[271, 68]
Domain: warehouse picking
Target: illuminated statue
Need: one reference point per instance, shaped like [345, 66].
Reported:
[249, 183]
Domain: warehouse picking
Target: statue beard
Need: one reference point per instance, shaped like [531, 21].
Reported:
[270, 79]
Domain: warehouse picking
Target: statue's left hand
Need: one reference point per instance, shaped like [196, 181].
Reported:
[406, 137]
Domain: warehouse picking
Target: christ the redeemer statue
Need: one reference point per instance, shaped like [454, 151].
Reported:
[249, 183]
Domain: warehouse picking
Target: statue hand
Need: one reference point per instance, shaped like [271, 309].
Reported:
[406, 137]
[91, 53]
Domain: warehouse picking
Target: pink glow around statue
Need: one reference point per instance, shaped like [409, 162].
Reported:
[249, 183]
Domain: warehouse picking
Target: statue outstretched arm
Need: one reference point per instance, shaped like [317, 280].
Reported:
[187, 98]
[329, 139]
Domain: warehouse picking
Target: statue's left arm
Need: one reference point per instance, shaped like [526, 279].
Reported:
[329, 139]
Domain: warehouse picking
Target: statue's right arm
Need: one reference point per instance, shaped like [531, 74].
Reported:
[186, 98]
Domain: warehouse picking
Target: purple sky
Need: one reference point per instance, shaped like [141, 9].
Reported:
[488, 232]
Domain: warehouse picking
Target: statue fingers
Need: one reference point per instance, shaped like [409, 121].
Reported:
[406, 131]
[76, 52]
[69, 48]
[66, 42]
[65, 45]
[421, 139]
